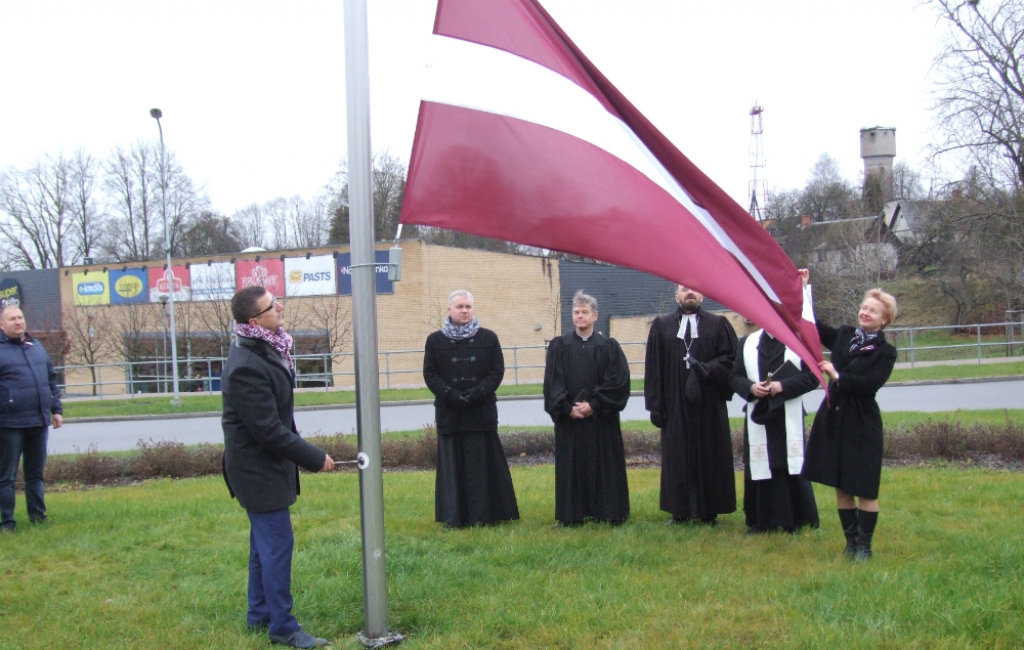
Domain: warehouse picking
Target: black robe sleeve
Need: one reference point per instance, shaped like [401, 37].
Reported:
[556, 398]
[612, 391]
[738, 380]
[653, 381]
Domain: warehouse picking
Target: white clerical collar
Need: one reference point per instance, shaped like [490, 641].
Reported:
[585, 338]
[692, 320]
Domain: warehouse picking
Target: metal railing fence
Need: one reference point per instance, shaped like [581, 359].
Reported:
[524, 364]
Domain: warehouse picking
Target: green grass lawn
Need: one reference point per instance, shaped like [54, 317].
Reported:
[202, 403]
[162, 565]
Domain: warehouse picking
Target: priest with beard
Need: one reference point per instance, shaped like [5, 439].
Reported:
[772, 379]
[586, 385]
[463, 366]
[686, 386]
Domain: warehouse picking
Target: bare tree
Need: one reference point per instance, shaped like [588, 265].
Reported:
[132, 182]
[980, 85]
[134, 198]
[310, 221]
[40, 215]
[252, 226]
[827, 195]
[88, 331]
[87, 216]
[388, 192]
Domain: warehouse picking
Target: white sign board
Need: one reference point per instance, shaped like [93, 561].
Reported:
[310, 277]
[214, 281]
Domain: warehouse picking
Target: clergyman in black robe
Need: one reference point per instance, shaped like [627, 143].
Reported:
[463, 366]
[686, 387]
[586, 385]
[772, 379]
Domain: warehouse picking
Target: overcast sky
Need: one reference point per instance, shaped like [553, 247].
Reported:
[254, 100]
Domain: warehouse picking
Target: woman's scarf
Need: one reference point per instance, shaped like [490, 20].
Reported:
[279, 340]
[861, 339]
[460, 332]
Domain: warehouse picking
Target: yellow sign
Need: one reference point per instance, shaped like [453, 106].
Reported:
[91, 288]
[128, 286]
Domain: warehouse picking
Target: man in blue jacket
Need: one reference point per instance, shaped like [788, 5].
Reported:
[29, 402]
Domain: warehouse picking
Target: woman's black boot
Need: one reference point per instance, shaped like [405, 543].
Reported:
[865, 530]
[848, 518]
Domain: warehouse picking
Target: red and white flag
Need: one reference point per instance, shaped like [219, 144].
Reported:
[521, 138]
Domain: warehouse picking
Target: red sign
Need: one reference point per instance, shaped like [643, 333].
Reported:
[268, 274]
[161, 282]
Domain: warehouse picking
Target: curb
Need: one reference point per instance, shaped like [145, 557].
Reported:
[508, 398]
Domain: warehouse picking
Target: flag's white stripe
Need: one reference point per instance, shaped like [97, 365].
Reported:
[483, 78]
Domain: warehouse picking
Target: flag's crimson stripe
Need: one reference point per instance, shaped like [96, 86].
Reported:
[501, 177]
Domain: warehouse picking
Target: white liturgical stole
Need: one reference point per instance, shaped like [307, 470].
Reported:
[757, 434]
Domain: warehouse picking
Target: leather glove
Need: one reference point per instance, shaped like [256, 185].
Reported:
[475, 395]
[658, 419]
[700, 368]
[452, 398]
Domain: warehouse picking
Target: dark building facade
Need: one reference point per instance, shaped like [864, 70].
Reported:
[619, 291]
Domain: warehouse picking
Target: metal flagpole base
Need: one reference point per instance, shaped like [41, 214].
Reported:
[392, 639]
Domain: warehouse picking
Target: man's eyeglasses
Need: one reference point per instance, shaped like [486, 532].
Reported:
[273, 303]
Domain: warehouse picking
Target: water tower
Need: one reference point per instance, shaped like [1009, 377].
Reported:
[878, 149]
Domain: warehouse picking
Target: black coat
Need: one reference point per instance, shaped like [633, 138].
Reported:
[697, 476]
[473, 484]
[845, 445]
[473, 368]
[28, 384]
[261, 443]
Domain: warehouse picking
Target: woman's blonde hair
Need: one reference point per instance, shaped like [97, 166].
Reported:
[886, 299]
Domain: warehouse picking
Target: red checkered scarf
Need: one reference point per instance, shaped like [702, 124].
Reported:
[279, 340]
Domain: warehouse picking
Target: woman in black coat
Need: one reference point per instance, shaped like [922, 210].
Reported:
[845, 445]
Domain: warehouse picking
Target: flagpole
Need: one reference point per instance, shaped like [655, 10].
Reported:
[364, 326]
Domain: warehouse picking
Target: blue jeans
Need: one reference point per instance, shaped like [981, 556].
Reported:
[14, 444]
[270, 571]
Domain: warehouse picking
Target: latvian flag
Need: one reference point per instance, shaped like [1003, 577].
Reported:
[521, 138]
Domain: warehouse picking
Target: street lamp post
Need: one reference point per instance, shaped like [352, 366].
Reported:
[156, 114]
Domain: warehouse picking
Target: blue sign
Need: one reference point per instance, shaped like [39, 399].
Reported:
[129, 286]
[90, 288]
[382, 284]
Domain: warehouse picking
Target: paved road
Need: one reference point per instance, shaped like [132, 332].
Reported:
[125, 434]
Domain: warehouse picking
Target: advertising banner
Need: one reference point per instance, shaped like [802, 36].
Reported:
[161, 283]
[382, 284]
[91, 288]
[213, 281]
[10, 293]
[312, 277]
[268, 274]
[129, 286]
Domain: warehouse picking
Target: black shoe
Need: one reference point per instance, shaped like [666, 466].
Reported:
[299, 639]
[8, 528]
[567, 524]
[41, 520]
[677, 521]
[754, 530]
[711, 523]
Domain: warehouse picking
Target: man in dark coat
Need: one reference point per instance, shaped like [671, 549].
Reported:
[262, 448]
[463, 366]
[586, 385]
[772, 378]
[686, 387]
[29, 402]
